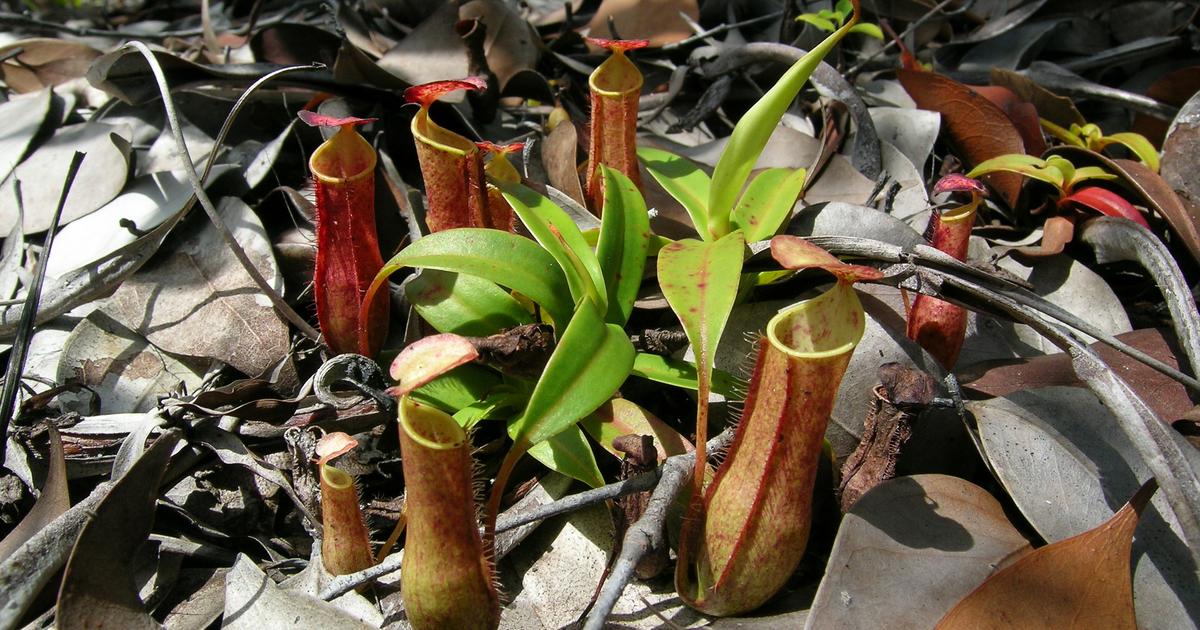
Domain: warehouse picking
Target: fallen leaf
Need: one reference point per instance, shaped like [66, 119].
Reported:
[656, 20]
[978, 129]
[98, 583]
[1183, 218]
[1059, 110]
[100, 178]
[1058, 454]
[1080, 582]
[1173, 88]
[23, 118]
[1024, 115]
[44, 62]
[912, 131]
[559, 156]
[510, 45]
[908, 550]
[53, 501]
[119, 366]
[198, 301]
[253, 602]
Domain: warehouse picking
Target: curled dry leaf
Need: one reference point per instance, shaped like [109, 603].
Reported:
[1081, 582]
[658, 21]
[43, 62]
[53, 501]
[977, 128]
[98, 588]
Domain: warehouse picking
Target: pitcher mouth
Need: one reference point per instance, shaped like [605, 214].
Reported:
[430, 427]
[828, 325]
[344, 142]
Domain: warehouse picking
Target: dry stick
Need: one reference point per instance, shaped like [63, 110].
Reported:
[16, 359]
[213, 215]
[97, 279]
[1120, 240]
[647, 532]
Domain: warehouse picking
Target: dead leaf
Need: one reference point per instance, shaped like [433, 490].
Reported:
[53, 501]
[978, 129]
[1184, 218]
[1057, 454]
[23, 118]
[44, 62]
[1024, 115]
[559, 157]
[198, 300]
[510, 45]
[253, 602]
[1167, 397]
[656, 20]
[908, 550]
[98, 588]
[1059, 110]
[42, 175]
[119, 366]
[433, 51]
[1173, 88]
[1081, 582]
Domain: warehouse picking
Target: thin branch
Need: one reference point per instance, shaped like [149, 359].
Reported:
[647, 532]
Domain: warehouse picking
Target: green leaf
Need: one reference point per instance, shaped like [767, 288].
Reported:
[1066, 135]
[570, 454]
[700, 281]
[554, 229]
[767, 202]
[489, 407]
[870, 30]
[661, 369]
[464, 304]
[817, 21]
[843, 8]
[458, 388]
[624, 243]
[1026, 165]
[1086, 173]
[1137, 144]
[591, 361]
[750, 135]
[619, 417]
[502, 257]
[684, 180]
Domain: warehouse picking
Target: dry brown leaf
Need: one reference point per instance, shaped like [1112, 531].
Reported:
[1082, 582]
[53, 501]
[978, 129]
[1173, 88]
[1184, 218]
[1166, 396]
[656, 20]
[44, 62]
[559, 156]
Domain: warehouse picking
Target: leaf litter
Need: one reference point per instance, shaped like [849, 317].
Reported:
[175, 386]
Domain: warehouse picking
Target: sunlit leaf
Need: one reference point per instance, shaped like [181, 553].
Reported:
[556, 232]
[504, 258]
[684, 180]
[750, 135]
[767, 202]
[570, 454]
[619, 417]
[464, 304]
[624, 242]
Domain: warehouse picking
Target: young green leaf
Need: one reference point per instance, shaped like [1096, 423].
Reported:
[767, 202]
[464, 304]
[750, 135]
[502, 257]
[700, 281]
[1027, 165]
[590, 362]
[677, 373]
[684, 180]
[458, 388]
[624, 242]
[1137, 144]
[570, 454]
[555, 230]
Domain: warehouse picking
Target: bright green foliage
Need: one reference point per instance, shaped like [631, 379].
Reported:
[463, 304]
[624, 242]
[767, 202]
[503, 258]
[684, 180]
[556, 232]
[829, 20]
[570, 454]
[1054, 170]
[1090, 137]
[668, 371]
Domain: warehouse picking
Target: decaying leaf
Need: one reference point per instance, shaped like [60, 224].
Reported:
[212, 308]
[53, 501]
[656, 20]
[1080, 582]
